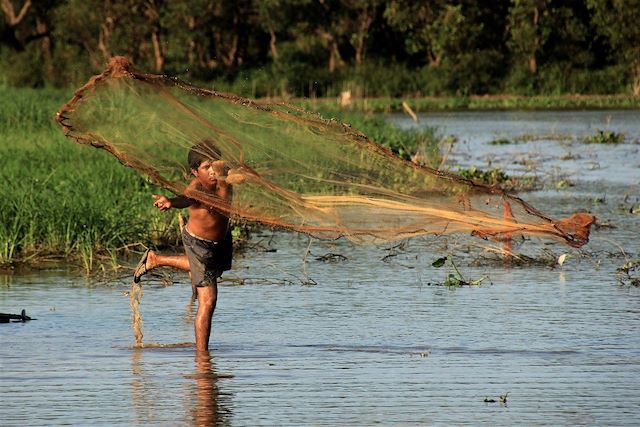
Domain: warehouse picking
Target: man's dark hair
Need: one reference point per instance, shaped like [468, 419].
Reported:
[204, 150]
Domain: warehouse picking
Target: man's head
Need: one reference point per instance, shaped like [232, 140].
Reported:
[204, 150]
[206, 164]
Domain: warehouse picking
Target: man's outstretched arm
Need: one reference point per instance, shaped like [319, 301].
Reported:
[178, 202]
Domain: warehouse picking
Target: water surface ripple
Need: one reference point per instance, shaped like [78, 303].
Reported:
[375, 340]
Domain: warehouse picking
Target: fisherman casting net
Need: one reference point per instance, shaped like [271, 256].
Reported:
[301, 172]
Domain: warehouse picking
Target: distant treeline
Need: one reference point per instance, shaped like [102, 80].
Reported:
[322, 47]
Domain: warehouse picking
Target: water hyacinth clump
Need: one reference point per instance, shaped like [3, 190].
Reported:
[605, 137]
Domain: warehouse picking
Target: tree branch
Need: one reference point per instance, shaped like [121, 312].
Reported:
[9, 11]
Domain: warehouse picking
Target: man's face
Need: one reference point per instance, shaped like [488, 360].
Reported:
[209, 170]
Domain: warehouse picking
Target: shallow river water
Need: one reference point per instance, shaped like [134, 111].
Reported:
[365, 339]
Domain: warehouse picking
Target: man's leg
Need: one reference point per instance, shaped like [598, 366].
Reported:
[151, 260]
[207, 298]
[155, 260]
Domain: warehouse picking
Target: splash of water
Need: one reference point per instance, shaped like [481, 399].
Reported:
[136, 317]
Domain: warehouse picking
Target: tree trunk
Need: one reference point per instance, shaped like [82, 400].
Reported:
[363, 30]
[532, 62]
[335, 60]
[227, 52]
[157, 50]
[272, 45]
[230, 57]
[10, 14]
[191, 44]
[42, 30]
[104, 37]
[434, 60]
[12, 20]
[152, 13]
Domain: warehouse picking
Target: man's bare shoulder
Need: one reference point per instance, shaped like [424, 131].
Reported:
[193, 187]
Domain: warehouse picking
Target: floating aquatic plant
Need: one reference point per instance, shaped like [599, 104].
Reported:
[605, 137]
[493, 176]
[629, 273]
[500, 141]
[454, 277]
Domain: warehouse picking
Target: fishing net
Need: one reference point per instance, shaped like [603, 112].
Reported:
[301, 171]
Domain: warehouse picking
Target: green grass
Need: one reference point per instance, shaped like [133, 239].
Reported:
[67, 201]
[64, 201]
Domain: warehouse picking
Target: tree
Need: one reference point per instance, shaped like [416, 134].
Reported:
[328, 29]
[361, 16]
[618, 21]
[528, 29]
[152, 10]
[274, 16]
[209, 35]
[446, 31]
[434, 30]
[13, 17]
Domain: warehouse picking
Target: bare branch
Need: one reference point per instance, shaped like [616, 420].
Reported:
[10, 13]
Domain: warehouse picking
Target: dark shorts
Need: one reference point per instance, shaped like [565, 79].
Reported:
[207, 259]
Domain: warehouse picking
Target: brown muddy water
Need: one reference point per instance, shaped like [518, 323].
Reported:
[369, 338]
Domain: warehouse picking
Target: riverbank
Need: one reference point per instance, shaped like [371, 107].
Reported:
[67, 203]
[474, 102]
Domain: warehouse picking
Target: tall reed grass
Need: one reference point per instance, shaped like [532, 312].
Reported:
[61, 200]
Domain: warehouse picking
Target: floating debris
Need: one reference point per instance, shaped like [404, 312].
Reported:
[331, 257]
[15, 318]
[561, 259]
[502, 399]
[629, 273]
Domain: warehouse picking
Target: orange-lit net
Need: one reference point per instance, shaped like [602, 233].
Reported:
[302, 172]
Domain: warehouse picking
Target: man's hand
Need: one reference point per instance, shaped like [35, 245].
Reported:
[161, 202]
[235, 176]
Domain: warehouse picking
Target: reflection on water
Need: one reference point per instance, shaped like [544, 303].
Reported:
[210, 406]
[372, 342]
[204, 402]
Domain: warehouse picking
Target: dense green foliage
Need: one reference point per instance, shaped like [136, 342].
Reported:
[323, 47]
[63, 200]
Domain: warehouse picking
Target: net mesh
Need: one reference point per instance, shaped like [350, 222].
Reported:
[301, 171]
